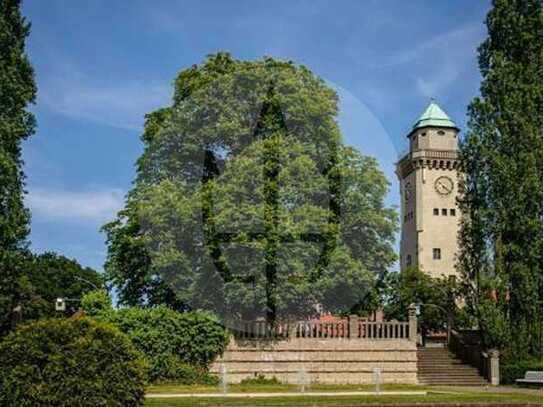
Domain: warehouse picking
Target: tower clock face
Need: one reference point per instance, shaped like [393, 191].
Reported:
[444, 185]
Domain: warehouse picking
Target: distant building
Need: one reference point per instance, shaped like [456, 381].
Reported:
[429, 188]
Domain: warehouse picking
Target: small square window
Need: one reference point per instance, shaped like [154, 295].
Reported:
[444, 212]
[436, 212]
[453, 212]
[437, 254]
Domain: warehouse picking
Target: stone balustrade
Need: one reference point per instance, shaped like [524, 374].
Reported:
[352, 327]
[341, 351]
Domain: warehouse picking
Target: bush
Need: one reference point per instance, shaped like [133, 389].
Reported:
[260, 380]
[172, 369]
[95, 302]
[70, 362]
[170, 340]
[509, 372]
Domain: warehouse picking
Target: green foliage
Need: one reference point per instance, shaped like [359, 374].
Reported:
[170, 368]
[33, 282]
[502, 227]
[17, 91]
[260, 380]
[251, 148]
[70, 362]
[434, 295]
[53, 276]
[171, 340]
[510, 372]
[15, 288]
[96, 302]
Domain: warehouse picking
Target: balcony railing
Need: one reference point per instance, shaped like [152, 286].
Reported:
[352, 327]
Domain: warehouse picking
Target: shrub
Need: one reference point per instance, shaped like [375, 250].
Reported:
[260, 380]
[70, 362]
[509, 372]
[170, 339]
[95, 302]
[172, 369]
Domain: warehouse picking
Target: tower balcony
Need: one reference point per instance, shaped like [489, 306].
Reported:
[445, 159]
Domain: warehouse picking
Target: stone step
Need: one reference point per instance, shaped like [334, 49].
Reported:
[438, 366]
[450, 377]
[442, 366]
[451, 380]
[466, 384]
[451, 374]
[468, 371]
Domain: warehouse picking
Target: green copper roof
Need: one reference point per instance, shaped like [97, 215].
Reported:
[434, 116]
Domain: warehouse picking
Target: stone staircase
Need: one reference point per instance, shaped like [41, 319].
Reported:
[438, 367]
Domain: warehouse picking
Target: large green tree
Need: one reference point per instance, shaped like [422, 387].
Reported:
[435, 298]
[502, 230]
[38, 280]
[246, 200]
[53, 276]
[17, 91]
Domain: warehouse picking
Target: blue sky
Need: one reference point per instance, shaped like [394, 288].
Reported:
[101, 65]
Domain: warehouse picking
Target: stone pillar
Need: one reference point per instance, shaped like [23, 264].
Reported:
[413, 323]
[494, 367]
[353, 326]
[292, 325]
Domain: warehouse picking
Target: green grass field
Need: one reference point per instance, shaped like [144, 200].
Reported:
[275, 388]
[435, 397]
[344, 401]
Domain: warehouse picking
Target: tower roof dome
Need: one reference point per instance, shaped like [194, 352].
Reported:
[434, 116]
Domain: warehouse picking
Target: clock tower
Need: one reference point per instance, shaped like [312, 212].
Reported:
[429, 187]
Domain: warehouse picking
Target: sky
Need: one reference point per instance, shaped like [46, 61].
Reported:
[102, 65]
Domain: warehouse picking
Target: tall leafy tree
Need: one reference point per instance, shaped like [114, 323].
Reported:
[51, 276]
[17, 91]
[247, 202]
[502, 230]
[435, 298]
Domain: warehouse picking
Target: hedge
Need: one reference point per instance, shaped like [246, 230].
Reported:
[511, 371]
[178, 346]
[70, 362]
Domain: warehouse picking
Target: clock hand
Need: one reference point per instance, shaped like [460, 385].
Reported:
[447, 189]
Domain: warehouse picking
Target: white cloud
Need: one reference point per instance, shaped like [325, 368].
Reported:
[118, 103]
[451, 54]
[456, 41]
[441, 60]
[96, 206]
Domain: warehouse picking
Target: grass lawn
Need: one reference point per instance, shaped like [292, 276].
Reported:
[275, 388]
[463, 398]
